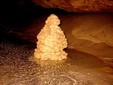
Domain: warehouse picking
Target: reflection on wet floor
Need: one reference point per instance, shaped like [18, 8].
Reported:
[79, 69]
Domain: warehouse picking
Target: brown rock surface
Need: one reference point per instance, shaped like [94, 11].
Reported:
[78, 5]
[90, 33]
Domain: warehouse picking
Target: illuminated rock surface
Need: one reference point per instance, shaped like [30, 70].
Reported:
[90, 33]
[89, 37]
[51, 41]
[78, 5]
[79, 68]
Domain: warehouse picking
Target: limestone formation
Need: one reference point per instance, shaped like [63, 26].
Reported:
[51, 41]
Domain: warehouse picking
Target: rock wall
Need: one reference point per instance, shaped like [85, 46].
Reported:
[89, 33]
[78, 5]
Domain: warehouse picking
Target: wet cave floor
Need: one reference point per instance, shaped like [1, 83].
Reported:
[79, 69]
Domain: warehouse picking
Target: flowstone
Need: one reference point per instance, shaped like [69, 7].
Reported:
[51, 41]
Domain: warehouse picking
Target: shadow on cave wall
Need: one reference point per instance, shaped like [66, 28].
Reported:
[19, 13]
[16, 15]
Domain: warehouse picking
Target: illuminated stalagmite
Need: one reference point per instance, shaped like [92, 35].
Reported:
[51, 41]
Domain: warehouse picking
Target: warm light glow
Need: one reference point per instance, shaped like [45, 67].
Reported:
[51, 41]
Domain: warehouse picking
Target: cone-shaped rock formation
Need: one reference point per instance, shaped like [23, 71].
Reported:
[51, 41]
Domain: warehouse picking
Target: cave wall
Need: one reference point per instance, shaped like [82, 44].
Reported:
[78, 5]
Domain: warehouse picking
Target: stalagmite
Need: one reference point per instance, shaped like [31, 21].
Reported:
[51, 41]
